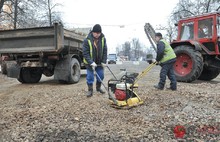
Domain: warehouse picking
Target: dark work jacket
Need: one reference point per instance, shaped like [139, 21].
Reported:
[99, 55]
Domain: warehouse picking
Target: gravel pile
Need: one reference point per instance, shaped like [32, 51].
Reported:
[49, 111]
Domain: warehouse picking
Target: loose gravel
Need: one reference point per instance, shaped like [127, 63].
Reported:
[53, 112]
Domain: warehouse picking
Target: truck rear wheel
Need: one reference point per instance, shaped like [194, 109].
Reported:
[4, 68]
[74, 72]
[30, 75]
[189, 63]
[209, 74]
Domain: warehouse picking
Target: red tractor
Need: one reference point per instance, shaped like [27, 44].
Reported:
[198, 48]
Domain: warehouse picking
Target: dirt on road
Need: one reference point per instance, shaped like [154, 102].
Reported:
[51, 112]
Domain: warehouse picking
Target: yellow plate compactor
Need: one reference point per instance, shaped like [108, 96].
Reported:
[121, 91]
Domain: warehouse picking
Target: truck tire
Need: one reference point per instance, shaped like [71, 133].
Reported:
[30, 75]
[189, 63]
[4, 68]
[74, 72]
[208, 74]
[48, 72]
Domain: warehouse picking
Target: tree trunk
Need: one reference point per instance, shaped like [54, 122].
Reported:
[15, 14]
[1, 5]
[50, 16]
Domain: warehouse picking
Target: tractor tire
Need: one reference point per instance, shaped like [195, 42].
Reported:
[209, 74]
[188, 65]
[30, 75]
[74, 72]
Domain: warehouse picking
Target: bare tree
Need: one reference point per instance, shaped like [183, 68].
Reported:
[50, 11]
[118, 49]
[170, 29]
[136, 47]
[6, 14]
[15, 13]
[23, 13]
[1, 5]
[126, 49]
[29, 13]
[186, 8]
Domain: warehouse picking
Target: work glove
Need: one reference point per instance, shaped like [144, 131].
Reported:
[103, 65]
[93, 65]
[151, 61]
[155, 61]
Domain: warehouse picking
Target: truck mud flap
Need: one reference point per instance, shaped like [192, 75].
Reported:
[13, 69]
[61, 71]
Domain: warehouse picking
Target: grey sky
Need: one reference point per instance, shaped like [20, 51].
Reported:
[112, 13]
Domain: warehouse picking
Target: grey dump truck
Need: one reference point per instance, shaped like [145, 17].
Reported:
[27, 54]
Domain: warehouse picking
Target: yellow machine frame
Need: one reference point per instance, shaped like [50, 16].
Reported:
[135, 100]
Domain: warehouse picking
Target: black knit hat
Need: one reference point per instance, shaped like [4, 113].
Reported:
[158, 34]
[97, 28]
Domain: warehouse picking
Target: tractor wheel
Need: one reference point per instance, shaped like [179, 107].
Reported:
[189, 63]
[208, 74]
[30, 75]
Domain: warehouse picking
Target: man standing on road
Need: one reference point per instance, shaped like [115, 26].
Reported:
[166, 58]
[94, 57]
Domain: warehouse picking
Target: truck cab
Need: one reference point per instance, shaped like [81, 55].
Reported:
[112, 58]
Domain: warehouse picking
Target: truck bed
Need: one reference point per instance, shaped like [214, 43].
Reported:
[42, 39]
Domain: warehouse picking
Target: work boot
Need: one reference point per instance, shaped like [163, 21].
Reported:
[157, 87]
[173, 89]
[98, 88]
[90, 91]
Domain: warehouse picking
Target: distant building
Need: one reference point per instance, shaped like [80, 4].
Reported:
[6, 21]
[84, 31]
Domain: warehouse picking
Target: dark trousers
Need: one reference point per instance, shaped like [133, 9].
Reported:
[167, 70]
